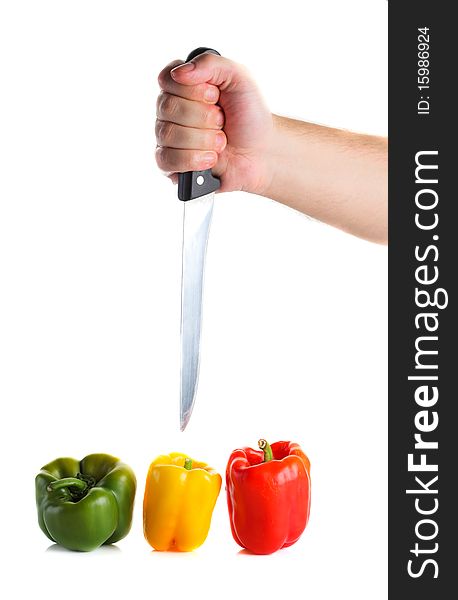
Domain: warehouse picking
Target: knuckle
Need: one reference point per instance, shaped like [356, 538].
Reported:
[207, 58]
[168, 105]
[171, 105]
[161, 159]
[239, 68]
[161, 78]
[158, 129]
[159, 102]
[164, 132]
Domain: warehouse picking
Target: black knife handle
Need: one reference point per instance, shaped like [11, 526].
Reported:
[194, 184]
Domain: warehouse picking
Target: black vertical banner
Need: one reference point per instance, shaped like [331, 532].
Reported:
[423, 256]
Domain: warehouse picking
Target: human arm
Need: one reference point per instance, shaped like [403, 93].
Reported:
[211, 115]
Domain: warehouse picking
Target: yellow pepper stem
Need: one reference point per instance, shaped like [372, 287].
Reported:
[265, 447]
[188, 464]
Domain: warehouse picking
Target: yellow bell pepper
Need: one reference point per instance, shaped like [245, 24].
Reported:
[180, 495]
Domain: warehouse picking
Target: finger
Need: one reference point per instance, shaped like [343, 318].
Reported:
[208, 68]
[176, 136]
[180, 161]
[189, 113]
[202, 92]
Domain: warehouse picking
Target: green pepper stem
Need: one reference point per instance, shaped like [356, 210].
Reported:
[67, 482]
[265, 447]
[188, 464]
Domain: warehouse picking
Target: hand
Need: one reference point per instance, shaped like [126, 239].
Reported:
[210, 114]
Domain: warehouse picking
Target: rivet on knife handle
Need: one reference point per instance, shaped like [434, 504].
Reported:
[194, 184]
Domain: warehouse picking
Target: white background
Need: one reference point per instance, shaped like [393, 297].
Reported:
[294, 338]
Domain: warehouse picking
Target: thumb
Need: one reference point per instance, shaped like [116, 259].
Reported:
[208, 68]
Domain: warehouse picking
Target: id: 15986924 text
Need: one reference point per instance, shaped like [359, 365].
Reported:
[423, 71]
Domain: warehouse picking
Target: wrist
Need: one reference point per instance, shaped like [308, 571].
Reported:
[269, 159]
[275, 160]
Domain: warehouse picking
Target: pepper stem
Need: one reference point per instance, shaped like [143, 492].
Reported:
[265, 447]
[67, 482]
[188, 464]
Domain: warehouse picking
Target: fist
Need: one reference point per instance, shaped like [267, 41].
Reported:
[210, 115]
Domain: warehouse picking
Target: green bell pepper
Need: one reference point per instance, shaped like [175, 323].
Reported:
[84, 504]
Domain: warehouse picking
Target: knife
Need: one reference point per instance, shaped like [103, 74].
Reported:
[197, 190]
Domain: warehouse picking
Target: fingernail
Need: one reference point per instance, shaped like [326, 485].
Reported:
[208, 159]
[220, 119]
[211, 94]
[184, 68]
[220, 141]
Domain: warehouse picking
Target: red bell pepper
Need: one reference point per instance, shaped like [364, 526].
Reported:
[268, 495]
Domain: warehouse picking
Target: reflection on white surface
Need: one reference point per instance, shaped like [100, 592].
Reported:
[109, 549]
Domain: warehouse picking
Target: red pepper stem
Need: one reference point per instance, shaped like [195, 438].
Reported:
[188, 464]
[67, 482]
[265, 447]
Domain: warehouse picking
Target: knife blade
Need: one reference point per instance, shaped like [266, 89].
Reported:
[196, 189]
